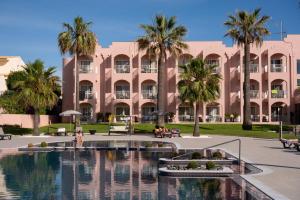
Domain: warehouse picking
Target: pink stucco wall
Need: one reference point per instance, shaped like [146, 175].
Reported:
[265, 101]
[25, 121]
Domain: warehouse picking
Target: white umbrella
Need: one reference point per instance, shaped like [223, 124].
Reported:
[69, 113]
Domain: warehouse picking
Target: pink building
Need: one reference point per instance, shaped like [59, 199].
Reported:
[122, 80]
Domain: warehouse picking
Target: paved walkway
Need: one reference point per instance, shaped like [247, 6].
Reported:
[281, 167]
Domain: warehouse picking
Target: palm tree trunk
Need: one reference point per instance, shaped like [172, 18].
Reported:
[196, 132]
[77, 117]
[161, 91]
[247, 124]
[36, 122]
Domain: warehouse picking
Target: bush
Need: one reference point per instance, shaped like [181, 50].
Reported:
[192, 165]
[217, 155]
[30, 145]
[210, 165]
[196, 156]
[44, 144]
[160, 144]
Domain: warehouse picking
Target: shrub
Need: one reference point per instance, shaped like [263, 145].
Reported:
[44, 144]
[210, 165]
[148, 144]
[192, 165]
[196, 156]
[30, 145]
[160, 144]
[217, 155]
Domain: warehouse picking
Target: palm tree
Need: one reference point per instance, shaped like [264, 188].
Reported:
[37, 90]
[198, 84]
[245, 29]
[77, 40]
[161, 37]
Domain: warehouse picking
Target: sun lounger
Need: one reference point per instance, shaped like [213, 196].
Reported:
[4, 136]
[297, 146]
[61, 131]
[118, 129]
[288, 143]
[175, 132]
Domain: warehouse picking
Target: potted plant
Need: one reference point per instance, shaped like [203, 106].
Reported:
[227, 117]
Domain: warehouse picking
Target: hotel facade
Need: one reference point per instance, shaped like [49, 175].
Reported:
[122, 80]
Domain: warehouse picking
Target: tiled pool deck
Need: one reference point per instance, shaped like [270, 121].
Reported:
[281, 167]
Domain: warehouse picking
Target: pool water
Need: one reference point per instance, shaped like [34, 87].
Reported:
[108, 175]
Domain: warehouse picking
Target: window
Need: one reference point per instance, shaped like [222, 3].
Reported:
[298, 82]
[298, 67]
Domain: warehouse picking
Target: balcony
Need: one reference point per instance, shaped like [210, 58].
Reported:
[255, 118]
[216, 70]
[186, 118]
[122, 69]
[278, 68]
[277, 94]
[148, 69]
[125, 94]
[148, 118]
[254, 94]
[277, 118]
[149, 94]
[253, 68]
[83, 95]
[85, 69]
[213, 118]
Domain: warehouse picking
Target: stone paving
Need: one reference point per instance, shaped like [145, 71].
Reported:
[281, 167]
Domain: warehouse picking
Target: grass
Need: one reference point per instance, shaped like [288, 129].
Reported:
[259, 131]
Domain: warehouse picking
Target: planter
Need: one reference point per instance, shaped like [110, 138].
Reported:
[92, 132]
[226, 171]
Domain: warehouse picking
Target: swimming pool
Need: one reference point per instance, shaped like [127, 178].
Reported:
[109, 174]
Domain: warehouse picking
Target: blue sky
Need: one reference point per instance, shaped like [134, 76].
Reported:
[30, 28]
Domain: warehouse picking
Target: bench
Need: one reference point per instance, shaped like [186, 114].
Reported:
[118, 129]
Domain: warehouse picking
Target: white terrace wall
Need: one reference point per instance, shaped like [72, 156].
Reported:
[26, 121]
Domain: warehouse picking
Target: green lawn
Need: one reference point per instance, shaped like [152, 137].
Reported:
[259, 131]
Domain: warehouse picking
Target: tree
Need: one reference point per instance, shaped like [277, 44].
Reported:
[10, 104]
[36, 91]
[198, 84]
[77, 40]
[162, 37]
[245, 29]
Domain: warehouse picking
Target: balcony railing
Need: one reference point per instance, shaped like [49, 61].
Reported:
[253, 68]
[278, 68]
[123, 94]
[255, 118]
[85, 69]
[216, 70]
[254, 94]
[213, 118]
[186, 118]
[148, 118]
[122, 68]
[87, 117]
[277, 118]
[278, 94]
[85, 95]
[148, 69]
[148, 94]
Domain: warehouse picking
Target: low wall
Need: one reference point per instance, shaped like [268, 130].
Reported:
[26, 121]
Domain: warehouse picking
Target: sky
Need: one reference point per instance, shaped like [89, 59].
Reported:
[29, 28]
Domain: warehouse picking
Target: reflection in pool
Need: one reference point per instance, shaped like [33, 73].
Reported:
[107, 175]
